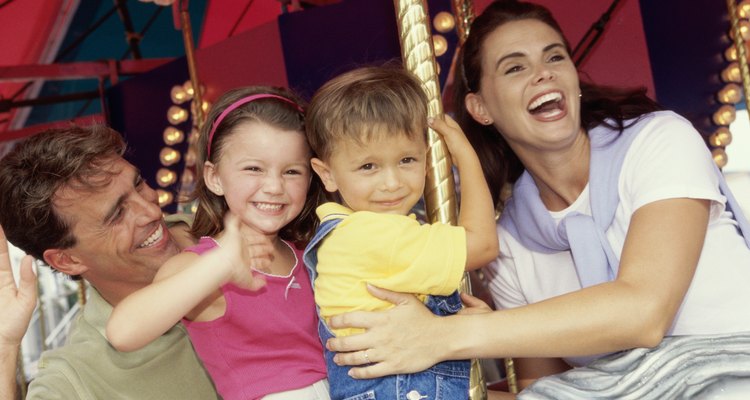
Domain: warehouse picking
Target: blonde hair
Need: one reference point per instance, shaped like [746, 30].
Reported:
[365, 102]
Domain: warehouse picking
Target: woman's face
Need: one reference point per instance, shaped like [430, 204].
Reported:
[529, 88]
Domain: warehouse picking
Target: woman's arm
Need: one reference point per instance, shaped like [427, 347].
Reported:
[183, 283]
[16, 306]
[477, 211]
[659, 258]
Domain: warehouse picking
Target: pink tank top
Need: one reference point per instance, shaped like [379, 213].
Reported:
[267, 341]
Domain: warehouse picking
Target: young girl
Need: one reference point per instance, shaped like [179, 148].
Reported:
[242, 292]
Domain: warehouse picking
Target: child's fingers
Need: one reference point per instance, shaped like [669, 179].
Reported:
[473, 305]
[449, 121]
[256, 282]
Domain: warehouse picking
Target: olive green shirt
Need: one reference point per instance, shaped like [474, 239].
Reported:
[88, 368]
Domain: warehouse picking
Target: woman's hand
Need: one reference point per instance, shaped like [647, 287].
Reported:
[403, 339]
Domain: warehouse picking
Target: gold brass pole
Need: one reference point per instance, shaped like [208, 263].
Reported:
[418, 56]
[739, 44]
[82, 293]
[464, 12]
[187, 37]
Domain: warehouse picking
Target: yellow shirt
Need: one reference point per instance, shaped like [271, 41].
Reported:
[394, 252]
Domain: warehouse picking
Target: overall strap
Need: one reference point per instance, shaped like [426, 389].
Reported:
[310, 256]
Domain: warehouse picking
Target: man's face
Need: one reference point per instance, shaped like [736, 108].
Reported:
[121, 237]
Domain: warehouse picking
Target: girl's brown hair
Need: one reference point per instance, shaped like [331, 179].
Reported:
[286, 115]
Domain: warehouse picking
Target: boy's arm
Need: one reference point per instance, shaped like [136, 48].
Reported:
[477, 212]
[182, 284]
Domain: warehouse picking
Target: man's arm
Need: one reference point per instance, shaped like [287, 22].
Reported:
[16, 306]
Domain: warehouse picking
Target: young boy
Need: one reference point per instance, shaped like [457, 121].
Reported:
[367, 129]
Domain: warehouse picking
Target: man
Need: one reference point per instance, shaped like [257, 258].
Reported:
[68, 197]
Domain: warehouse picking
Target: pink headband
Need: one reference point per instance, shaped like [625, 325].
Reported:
[238, 103]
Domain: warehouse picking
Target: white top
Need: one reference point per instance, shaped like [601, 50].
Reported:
[667, 160]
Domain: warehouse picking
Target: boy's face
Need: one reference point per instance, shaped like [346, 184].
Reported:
[385, 174]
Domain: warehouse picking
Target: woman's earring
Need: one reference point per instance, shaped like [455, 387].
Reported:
[580, 95]
[486, 121]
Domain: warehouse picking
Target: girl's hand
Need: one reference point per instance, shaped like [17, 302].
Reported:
[399, 340]
[245, 249]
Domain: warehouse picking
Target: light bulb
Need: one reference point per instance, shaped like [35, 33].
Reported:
[176, 115]
[730, 54]
[178, 94]
[722, 137]
[194, 136]
[188, 87]
[444, 22]
[724, 115]
[720, 156]
[440, 44]
[165, 177]
[190, 157]
[743, 9]
[169, 156]
[731, 73]
[731, 93]
[187, 177]
[744, 26]
[173, 135]
[165, 198]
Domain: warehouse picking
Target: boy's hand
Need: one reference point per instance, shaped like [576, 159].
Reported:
[245, 249]
[473, 305]
[454, 138]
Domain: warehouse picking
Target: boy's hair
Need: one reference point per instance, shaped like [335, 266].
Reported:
[364, 102]
[33, 172]
[271, 110]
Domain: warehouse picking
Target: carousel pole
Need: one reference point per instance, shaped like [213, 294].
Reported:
[187, 37]
[440, 194]
[464, 12]
[739, 44]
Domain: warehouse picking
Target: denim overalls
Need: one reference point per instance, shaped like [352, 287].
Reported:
[448, 380]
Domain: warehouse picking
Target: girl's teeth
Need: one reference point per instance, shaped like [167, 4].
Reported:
[268, 207]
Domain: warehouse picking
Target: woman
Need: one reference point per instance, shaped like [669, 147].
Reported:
[661, 267]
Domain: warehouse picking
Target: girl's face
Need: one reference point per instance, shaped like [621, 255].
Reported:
[263, 173]
[529, 87]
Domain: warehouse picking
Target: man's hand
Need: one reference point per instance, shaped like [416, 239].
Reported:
[16, 303]
[16, 306]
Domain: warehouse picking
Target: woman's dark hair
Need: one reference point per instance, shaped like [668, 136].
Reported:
[599, 104]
